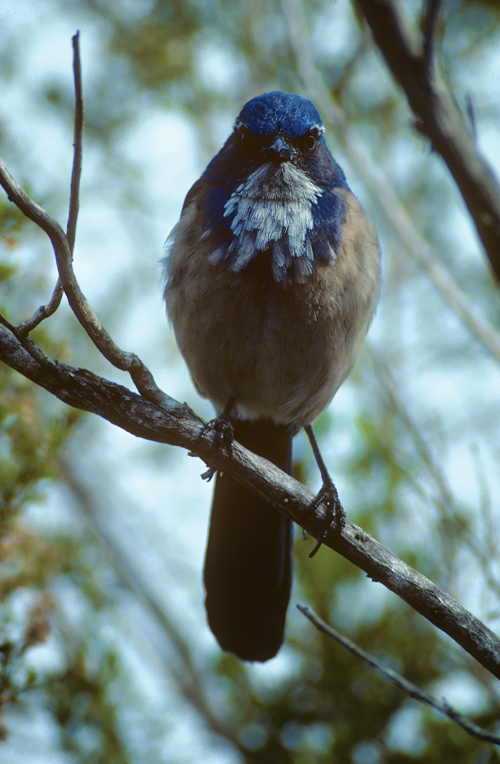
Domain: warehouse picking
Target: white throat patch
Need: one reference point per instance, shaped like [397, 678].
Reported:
[273, 210]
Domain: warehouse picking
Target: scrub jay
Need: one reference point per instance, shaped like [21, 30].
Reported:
[272, 279]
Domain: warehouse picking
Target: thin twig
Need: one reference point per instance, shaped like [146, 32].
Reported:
[123, 360]
[80, 306]
[7, 324]
[27, 343]
[45, 311]
[442, 706]
[74, 200]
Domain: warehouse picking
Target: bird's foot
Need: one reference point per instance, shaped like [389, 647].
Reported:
[335, 517]
[223, 430]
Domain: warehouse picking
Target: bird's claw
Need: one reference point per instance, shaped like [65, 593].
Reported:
[223, 430]
[335, 518]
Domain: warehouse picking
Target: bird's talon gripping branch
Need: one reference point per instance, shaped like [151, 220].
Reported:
[223, 430]
[327, 495]
[335, 519]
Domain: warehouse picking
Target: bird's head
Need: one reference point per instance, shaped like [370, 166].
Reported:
[271, 189]
[278, 127]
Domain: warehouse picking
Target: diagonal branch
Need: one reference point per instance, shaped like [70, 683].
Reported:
[123, 360]
[404, 684]
[63, 245]
[168, 421]
[383, 191]
[439, 117]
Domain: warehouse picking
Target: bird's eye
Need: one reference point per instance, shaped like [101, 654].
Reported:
[310, 141]
[243, 135]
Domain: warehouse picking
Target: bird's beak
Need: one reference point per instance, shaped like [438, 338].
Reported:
[280, 149]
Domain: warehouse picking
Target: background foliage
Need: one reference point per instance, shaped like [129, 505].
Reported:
[104, 651]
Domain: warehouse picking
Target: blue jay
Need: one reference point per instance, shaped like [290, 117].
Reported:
[272, 279]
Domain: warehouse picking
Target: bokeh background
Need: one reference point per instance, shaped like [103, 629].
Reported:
[105, 655]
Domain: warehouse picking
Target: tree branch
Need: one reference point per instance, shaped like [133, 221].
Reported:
[125, 361]
[45, 311]
[63, 245]
[399, 218]
[439, 117]
[404, 684]
[429, 26]
[171, 422]
[76, 173]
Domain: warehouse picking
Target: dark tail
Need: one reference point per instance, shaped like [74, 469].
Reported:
[248, 562]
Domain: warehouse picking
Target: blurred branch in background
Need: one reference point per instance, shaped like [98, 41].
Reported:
[181, 667]
[380, 185]
[414, 63]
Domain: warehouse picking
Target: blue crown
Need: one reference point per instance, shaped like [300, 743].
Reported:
[277, 112]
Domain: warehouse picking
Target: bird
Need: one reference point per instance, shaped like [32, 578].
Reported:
[272, 277]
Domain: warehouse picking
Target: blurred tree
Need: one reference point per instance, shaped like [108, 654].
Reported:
[103, 642]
